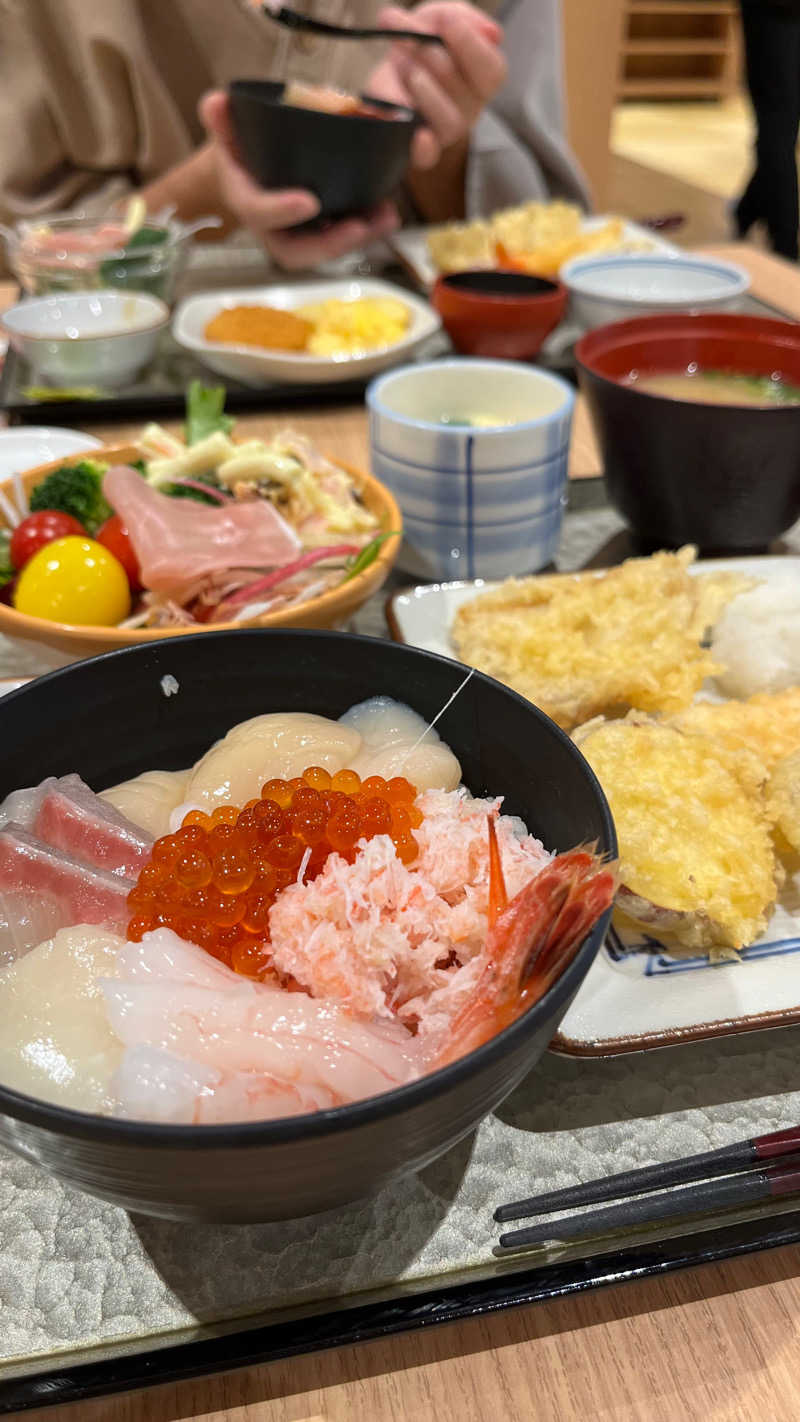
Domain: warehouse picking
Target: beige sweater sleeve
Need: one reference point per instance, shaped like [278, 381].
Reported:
[83, 118]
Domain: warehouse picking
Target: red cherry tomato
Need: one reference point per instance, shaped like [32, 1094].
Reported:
[115, 537]
[38, 529]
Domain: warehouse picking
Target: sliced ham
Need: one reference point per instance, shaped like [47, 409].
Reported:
[42, 889]
[176, 540]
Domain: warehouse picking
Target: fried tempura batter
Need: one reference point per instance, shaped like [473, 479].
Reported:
[783, 799]
[768, 725]
[540, 236]
[581, 645]
[696, 856]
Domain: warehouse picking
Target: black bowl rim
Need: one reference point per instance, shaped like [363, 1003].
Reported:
[403, 115]
[112, 1130]
[451, 280]
[719, 321]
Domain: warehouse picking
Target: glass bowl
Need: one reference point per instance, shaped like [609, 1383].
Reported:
[69, 252]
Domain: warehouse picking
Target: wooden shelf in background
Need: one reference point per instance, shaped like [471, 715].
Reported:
[680, 49]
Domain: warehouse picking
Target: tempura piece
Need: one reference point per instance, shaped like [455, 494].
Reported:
[55, 1039]
[696, 854]
[767, 725]
[783, 799]
[459, 246]
[536, 236]
[586, 644]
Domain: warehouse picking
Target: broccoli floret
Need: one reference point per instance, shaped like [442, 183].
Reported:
[75, 489]
[7, 569]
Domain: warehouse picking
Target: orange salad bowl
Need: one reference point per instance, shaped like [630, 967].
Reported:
[328, 609]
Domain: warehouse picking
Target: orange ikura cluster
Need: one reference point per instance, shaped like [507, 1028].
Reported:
[215, 881]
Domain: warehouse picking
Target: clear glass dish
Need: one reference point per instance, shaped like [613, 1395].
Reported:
[72, 252]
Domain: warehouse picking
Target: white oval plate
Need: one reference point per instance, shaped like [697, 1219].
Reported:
[254, 366]
[636, 995]
[26, 446]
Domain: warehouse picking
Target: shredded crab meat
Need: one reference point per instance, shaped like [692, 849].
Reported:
[384, 940]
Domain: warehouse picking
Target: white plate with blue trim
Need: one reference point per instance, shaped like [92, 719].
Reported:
[637, 995]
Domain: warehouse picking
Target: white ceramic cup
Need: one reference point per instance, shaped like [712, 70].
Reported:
[478, 501]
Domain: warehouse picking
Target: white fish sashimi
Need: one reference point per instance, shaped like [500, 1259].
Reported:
[55, 1040]
[279, 745]
[154, 1085]
[396, 741]
[149, 799]
[275, 1052]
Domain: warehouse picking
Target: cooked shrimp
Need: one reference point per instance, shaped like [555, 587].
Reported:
[531, 940]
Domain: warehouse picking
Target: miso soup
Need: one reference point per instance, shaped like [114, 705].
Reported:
[718, 387]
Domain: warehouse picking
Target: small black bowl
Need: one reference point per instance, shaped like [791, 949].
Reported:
[351, 162]
[726, 477]
[281, 1169]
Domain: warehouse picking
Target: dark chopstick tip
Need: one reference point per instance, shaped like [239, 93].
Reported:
[506, 1212]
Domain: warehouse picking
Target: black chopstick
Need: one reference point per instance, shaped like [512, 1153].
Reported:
[292, 20]
[700, 1198]
[742, 1155]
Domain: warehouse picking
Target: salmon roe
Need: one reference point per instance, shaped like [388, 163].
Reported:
[215, 881]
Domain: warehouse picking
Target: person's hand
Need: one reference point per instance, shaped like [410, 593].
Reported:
[448, 87]
[270, 214]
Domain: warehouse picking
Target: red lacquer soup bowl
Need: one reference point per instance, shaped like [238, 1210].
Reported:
[726, 477]
[503, 314]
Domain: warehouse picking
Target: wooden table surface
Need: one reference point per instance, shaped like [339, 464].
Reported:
[718, 1343]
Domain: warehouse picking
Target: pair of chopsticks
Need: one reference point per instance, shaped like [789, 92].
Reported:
[688, 1186]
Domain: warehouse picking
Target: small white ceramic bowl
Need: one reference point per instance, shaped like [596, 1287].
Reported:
[89, 337]
[616, 288]
[256, 366]
[481, 501]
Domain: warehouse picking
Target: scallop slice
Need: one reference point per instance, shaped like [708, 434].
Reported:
[56, 1042]
[149, 799]
[280, 745]
[397, 741]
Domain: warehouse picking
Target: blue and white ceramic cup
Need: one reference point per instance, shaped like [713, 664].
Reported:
[483, 498]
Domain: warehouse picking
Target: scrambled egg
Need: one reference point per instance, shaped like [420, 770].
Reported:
[350, 327]
[581, 645]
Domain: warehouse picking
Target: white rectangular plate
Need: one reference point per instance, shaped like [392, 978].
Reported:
[411, 245]
[636, 995]
[255, 366]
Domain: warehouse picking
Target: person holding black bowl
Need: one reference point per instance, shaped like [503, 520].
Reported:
[99, 101]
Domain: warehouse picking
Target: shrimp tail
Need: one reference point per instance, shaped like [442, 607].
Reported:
[530, 941]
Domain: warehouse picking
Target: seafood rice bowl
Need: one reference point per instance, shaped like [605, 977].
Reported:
[268, 939]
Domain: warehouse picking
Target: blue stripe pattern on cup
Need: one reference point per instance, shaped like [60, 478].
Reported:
[477, 502]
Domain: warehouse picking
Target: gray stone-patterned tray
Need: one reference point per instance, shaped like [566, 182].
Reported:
[92, 1299]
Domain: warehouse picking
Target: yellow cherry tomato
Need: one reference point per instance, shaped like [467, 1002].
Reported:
[74, 580]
